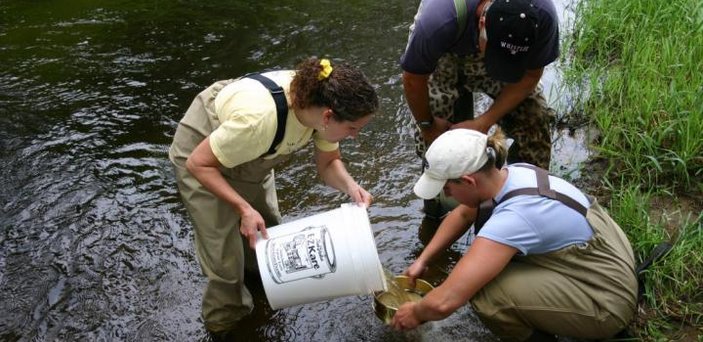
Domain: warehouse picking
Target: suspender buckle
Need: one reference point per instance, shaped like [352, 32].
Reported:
[277, 90]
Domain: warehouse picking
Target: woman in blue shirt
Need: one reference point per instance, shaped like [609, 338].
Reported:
[547, 261]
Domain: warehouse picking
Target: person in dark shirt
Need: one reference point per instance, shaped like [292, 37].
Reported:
[498, 47]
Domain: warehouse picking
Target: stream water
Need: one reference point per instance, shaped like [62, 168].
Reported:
[95, 244]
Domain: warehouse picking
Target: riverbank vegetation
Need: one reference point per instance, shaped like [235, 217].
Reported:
[640, 65]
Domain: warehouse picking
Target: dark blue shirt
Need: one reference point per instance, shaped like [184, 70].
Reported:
[436, 29]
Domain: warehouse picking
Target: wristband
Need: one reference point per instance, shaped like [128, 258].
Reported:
[425, 124]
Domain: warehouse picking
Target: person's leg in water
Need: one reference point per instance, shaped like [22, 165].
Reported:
[224, 255]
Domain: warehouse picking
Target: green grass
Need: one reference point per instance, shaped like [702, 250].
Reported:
[640, 64]
[674, 284]
[644, 60]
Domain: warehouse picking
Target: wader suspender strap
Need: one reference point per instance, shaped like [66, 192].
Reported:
[281, 107]
[460, 6]
[464, 104]
[485, 209]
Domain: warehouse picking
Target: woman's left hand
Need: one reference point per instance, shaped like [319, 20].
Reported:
[360, 196]
[404, 318]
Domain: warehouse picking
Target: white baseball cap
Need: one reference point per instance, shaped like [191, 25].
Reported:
[453, 154]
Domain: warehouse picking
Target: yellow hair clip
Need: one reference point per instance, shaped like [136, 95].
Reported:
[326, 69]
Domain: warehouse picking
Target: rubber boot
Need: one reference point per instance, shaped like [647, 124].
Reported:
[432, 209]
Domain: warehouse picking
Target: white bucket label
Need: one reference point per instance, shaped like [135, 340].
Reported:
[308, 253]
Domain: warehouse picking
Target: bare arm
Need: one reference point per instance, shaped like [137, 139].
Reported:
[332, 171]
[484, 261]
[204, 166]
[417, 95]
[452, 228]
[509, 98]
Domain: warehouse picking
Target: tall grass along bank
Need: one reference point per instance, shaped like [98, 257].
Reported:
[641, 64]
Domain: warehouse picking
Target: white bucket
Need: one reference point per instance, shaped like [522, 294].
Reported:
[320, 257]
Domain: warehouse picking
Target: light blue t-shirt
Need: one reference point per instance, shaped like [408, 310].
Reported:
[535, 224]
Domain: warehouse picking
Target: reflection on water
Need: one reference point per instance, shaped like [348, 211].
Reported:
[95, 243]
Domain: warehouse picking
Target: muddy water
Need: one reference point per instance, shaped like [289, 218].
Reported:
[95, 244]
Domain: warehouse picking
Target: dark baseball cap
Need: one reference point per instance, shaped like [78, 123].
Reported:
[511, 27]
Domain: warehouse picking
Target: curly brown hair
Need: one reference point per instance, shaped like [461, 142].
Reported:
[346, 91]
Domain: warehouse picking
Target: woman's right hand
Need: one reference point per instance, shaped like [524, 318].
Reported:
[250, 224]
[416, 270]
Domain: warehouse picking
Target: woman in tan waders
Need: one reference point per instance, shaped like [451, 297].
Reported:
[224, 152]
[547, 259]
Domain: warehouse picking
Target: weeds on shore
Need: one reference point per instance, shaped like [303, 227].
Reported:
[641, 64]
[673, 285]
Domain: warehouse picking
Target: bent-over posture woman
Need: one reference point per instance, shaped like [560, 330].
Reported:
[547, 260]
[224, 152]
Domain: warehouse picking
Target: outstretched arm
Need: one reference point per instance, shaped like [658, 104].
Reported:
[452, 228]
[484, 261]
[332, 171]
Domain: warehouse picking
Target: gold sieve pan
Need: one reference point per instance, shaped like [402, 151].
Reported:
[385, 311]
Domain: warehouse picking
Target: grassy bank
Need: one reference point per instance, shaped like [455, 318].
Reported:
[640, 65]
